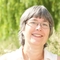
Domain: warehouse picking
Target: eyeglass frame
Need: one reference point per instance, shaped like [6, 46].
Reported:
[37, 23]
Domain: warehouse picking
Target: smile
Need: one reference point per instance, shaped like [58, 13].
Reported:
[37, 35]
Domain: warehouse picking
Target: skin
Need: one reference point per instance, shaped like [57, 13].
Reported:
[58, 58]
[31, 33]
[35, 38]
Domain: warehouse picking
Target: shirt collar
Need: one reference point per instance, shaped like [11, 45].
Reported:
[47, 55]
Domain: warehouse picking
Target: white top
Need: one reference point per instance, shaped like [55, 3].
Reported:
[17, 55]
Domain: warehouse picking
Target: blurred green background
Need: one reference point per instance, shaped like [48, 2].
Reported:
[10, 13]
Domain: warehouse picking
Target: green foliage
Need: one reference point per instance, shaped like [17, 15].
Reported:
[9, 44]
[11, 10]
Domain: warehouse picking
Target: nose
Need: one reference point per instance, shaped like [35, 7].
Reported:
[38, 27]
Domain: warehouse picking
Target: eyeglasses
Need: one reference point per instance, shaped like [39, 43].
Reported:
[34, 24]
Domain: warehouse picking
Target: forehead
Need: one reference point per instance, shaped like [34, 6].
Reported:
[38, 19]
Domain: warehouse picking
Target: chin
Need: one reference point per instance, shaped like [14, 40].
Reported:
[36, 42]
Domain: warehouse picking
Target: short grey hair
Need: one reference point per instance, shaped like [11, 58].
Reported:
[35, 11]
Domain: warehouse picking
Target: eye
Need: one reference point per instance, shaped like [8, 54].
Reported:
[33, 22]
[45, 24]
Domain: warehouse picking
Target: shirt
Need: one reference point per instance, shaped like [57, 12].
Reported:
[17, 55]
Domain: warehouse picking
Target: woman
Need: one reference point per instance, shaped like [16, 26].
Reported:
[35, 28]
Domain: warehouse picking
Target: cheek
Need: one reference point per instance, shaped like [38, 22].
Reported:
[28, 32]
[46, 36]
[47, 32]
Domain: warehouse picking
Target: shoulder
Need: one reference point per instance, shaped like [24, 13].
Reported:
[15, 55]
[58, 58]
[50, 55]
[55, 56]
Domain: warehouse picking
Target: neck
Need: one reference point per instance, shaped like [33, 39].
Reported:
[33, 52]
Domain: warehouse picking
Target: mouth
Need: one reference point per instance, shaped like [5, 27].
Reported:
[37, 35]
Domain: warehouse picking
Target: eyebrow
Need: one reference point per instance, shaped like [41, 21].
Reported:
[34, 19]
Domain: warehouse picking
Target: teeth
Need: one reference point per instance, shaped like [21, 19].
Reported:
[37, 35]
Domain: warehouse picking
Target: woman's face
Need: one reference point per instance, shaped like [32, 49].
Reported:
[36, 31]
